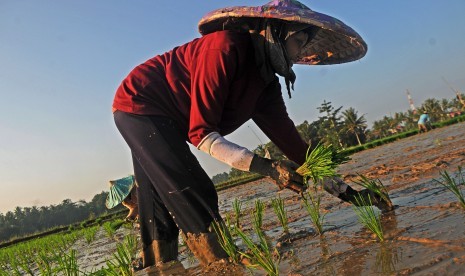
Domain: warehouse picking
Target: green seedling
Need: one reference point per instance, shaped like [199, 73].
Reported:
[67, 263]
[258, 214]
[312, 204]
[261, 254]
[225, 238]
[368, 217]
[237, 206]
[89, 233]
[280, 211]
[122, 258]
[452, 185]
[321, 162]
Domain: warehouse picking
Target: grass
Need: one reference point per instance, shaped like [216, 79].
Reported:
[281, 213]
[321, 162]
[368, 217]
[452, 185]
[312, 204]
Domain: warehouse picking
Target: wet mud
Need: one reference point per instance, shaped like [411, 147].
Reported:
[425, 233]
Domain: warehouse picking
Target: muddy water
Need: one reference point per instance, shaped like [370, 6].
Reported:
[426, 234]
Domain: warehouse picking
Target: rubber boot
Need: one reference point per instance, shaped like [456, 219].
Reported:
[205, 247]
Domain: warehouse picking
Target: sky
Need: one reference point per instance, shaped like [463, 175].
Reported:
[61, 62]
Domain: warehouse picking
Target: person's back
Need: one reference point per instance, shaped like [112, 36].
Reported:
[422, 121]
[424, 118]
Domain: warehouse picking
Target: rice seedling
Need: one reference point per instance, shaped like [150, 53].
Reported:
[321, 162]
[122, 258]
[67, 263]
[261, 254]
[109, 229]
[258, 214]
[374, 185]
[14, 265]
[43, 262]
[452, 185]
[225, 238]
[368, 217]
[89, 233]
[281, 213]
[237, 206]
[24, 262]
[312, 204]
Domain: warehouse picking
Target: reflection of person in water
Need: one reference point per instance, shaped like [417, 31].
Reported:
[423, 122]
[124, 191]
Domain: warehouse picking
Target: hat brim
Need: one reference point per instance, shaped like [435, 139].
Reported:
[335, 37]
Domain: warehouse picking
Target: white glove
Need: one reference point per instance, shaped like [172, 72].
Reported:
[225, 151]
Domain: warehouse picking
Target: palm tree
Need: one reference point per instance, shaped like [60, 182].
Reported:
[433, 107]
[354, 124]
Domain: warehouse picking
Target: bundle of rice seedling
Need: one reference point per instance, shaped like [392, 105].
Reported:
[321, 162]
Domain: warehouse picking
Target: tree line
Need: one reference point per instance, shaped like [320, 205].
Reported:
[24, 221]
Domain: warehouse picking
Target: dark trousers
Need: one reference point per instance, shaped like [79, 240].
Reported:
[174, 191]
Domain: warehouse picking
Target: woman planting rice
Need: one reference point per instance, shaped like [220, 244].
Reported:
[207, 88]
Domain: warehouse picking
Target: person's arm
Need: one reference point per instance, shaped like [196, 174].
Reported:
[272, 118]
[283, 171]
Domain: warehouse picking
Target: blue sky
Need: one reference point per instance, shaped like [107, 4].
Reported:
[61, 61]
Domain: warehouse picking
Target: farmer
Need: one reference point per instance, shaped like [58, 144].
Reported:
[124, 191]
[424, 119]
[207, 88]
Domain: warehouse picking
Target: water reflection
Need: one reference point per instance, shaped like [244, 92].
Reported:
[387, 258]
[327, 263]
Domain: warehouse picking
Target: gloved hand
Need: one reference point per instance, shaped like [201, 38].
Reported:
[283, 172]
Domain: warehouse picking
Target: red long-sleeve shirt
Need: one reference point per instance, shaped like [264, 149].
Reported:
[211, 84]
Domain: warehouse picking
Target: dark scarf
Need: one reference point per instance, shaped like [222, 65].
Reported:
[271, 56]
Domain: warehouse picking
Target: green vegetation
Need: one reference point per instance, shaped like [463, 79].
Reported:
[281, 213]
[321, 162]
[54, 255]
[225, 238]
[312, 204]
[126, 251]
[261, 254]
[258, 214]
[237, 206]
[376, 186]
[368, 217]
[452, 185]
